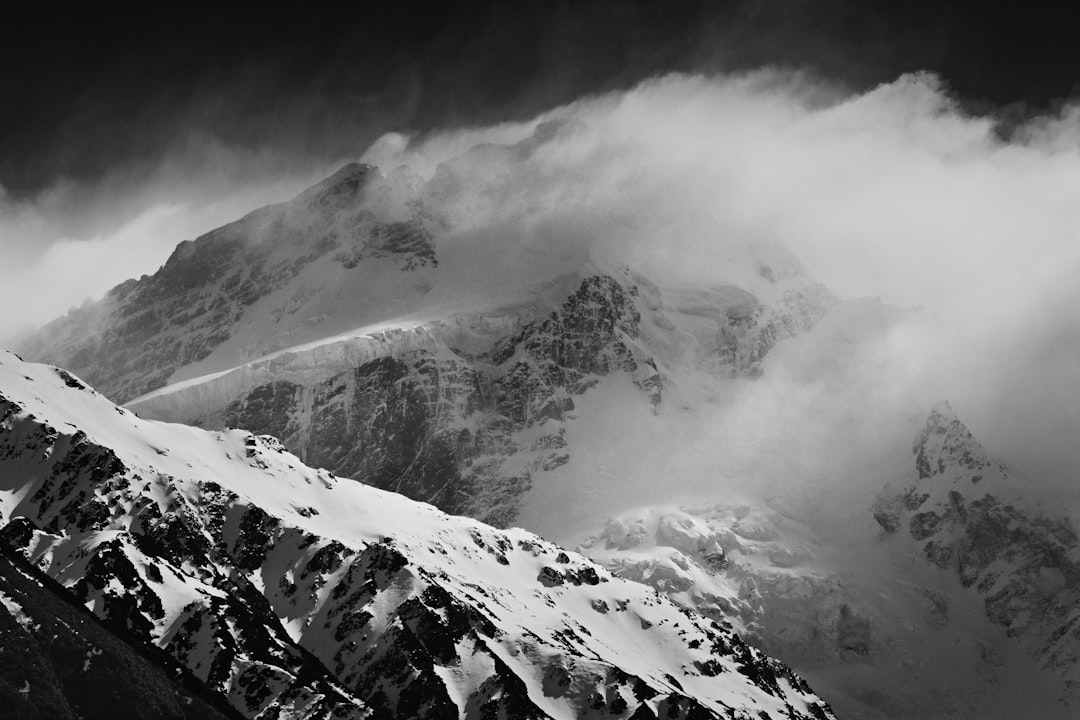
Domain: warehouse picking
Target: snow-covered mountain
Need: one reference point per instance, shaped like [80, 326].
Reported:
[293, 592]
[965, 514]
[380, 336]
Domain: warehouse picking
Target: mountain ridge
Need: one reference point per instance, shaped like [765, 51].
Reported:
[966, 515]
[354, 603]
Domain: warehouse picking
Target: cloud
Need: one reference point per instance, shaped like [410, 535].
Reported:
[894, 194]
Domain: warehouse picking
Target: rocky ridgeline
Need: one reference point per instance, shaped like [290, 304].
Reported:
[132, 340]
[1024, 563]
[292, 593]
[92, 524]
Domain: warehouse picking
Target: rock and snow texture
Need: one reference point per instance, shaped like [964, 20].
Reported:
[967, 516]
[947, 451]
[462, 432]
[954, 596]
[462, 412]
[292, 592]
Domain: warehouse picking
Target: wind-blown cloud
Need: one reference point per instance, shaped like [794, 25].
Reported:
[72, 242]
[894, 194]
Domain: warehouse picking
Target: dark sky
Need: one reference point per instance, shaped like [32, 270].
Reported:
[88, 92]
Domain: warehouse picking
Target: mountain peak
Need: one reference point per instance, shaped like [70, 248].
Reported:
[343, 184]
[945, 447]
[943, 410]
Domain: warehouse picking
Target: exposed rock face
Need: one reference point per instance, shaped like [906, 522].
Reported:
[448, 428]
[1023, 562]
[293, 593]
[467, 427]
[133, 340]
[467, 430]
[753, 329]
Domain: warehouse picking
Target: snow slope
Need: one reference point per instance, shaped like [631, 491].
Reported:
[293, 592]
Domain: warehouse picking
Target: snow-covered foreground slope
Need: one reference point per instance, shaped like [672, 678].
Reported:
[1006, 541]
[295, 593]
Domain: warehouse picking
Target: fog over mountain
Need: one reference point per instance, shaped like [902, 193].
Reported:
[894, 194]
[768, 305]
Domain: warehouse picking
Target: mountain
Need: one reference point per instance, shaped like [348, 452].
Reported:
[967, 516]
[955, 595]
[712, 436]
[136, 337]
[291, 592]
[379, 333]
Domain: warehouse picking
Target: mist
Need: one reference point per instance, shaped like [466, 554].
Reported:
[956, 248]
[959, 247]
[74, 240]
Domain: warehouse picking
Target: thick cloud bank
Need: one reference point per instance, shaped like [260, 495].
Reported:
[894, 194]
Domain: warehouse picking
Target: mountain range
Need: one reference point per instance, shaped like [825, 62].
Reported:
[375, 391]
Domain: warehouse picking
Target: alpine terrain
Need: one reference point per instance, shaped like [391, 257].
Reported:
[445, 339]
[291, 592]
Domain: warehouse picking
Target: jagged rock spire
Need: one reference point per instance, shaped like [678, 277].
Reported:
[945, 447]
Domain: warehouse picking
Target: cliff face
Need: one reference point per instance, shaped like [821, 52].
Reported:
[464, 417]
[462, 432]
[289, 591]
